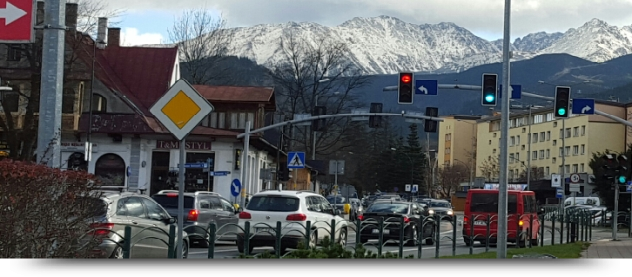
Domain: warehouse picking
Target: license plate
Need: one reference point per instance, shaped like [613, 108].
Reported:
[480, 223]
[264, 230]
[377, 231]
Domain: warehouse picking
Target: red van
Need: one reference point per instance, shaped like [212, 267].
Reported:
[523, 222]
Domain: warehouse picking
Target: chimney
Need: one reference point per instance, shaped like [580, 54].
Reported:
[101, 31]
[39, 17]
[71, 16]
[114, 37]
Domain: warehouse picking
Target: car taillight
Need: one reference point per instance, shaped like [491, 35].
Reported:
[101, 229]
[406, 219]
[296, 217]
[193, 215]
[172, 194]
[361, 217]
[244, 215]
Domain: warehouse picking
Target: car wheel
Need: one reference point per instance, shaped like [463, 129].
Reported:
[313, 239]
[430, 241]
[535, 241]
[522, 243]
[412, 241]
[342, 239]
[117, 253]
[185, 249]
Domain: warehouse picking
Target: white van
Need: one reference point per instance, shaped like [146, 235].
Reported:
[593, 201]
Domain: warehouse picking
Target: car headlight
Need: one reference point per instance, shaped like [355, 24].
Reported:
[431, 211]
[450, 212]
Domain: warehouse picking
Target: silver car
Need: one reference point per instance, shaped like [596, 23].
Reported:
[146, 219]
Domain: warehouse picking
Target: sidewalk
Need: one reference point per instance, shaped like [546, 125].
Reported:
[608, 249]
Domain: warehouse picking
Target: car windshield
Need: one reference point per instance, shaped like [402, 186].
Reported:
[488, 203]
[388, 208]
[440, 204]
[273, 203]
[168, 201]
[96, 205]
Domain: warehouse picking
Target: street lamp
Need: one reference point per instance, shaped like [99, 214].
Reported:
[412, 166]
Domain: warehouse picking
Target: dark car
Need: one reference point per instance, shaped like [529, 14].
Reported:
[416, 218]
[441, 208]
[200, 209]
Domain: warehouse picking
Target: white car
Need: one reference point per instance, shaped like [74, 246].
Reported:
[293, 209]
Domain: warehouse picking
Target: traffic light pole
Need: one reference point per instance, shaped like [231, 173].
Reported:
[504, 133]
[615, 213]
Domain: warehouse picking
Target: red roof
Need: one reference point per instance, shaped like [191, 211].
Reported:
[235, 93]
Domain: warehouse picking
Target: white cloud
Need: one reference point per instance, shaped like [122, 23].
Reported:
[131, 37]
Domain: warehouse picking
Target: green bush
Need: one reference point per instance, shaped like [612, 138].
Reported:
[328, 251]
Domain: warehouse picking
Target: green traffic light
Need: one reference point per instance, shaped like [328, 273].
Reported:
[561, 111]
[489, 98]
[622, 179]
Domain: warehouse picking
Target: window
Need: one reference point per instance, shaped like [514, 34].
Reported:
[575, 168]
[561, 152]
[14, 53]
[542, 136]
[490, 142]
[554, 123]
[568, 132]
[583, 150]
[517, 140]
[550, 117]
[494, 135]
[99, 103]
[494, 151]
[135, 208]
[68, 101]
[547, 171]
[548, 153]
[554, 142]
[511, 158]
[512, 141]
[488, 203]
[576, 131]
[541, 154]
[535, 137]
[538, 119]
[548, 135]
[561, 133]
[447, 137]
[583, 133]
[581, 167]
[567, 151]
[575, 150]
[11, 99]
[226, 206]
[518, 156]
[522, 148]
[554, 160]
[567, 168]
[524, 130]
[154, 212]
[534, 155]
[273, 203]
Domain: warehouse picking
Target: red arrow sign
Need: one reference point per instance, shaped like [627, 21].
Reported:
[17, 19]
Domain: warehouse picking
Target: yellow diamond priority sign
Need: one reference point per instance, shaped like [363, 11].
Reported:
[181, 109]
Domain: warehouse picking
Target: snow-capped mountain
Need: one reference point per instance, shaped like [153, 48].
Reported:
[386, 45]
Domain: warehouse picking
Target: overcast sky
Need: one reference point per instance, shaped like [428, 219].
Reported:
[150, 19]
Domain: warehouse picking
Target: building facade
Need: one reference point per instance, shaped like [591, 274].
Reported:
[548, 142]
[457, 141]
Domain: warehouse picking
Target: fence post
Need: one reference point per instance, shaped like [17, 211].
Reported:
[454, 218]
[420, 235]
[530, 230]
[333, 232]
[553, 217]
[437, 235]
[127, 243]
[308, 234]
[172, 242]
[277, 234]
[518, 230]
[212, 231]
[401, 237]
[542, 230]
[562, 218]
[246, 238]
[472, 234]
[380, 237]
[358, 230]
[487, 234]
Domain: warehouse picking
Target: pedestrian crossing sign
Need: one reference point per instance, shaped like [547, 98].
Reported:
[296, 160]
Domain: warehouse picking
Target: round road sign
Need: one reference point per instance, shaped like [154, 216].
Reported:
[574, 178]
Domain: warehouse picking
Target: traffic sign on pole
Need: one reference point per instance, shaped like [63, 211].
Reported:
[516, 91]
[559, 193]
[426, 87]
[583, 106]
[19, 21]
[575, 178]
[296, 160]
[235, 188]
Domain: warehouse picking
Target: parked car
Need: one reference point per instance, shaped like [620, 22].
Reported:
[338, 202]
[293, 209]
[441, 208]
[356, 208]
[416, 219]
[146, 219]
[201, 208]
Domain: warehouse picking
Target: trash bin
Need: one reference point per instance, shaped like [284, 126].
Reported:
[533, 256]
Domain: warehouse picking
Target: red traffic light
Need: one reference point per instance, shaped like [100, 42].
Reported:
[406, 78]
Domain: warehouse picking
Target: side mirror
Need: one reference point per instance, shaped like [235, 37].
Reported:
[171, 220]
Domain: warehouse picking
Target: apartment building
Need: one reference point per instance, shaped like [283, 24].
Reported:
[457, 140]
[548, 141]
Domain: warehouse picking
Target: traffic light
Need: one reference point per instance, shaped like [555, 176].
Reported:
[622, 169]
[405, 88]
[490, 89]
[283, 173]
[430, 126]
[562, 101]
[319, 124]
[375, 121]
[610, 165]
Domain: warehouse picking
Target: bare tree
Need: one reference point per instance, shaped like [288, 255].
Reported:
[450, 177]
[18, 120]
[202, 41]
[490, 168]
[89, 12]
[319, 73]
[536, 174]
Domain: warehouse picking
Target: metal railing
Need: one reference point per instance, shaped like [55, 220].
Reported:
[529, 231]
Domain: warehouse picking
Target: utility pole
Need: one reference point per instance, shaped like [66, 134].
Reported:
[529, 152]
[51, 90]
[504, 133]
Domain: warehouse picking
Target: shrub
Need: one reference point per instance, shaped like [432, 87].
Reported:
[42, 211]
[328, 251]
